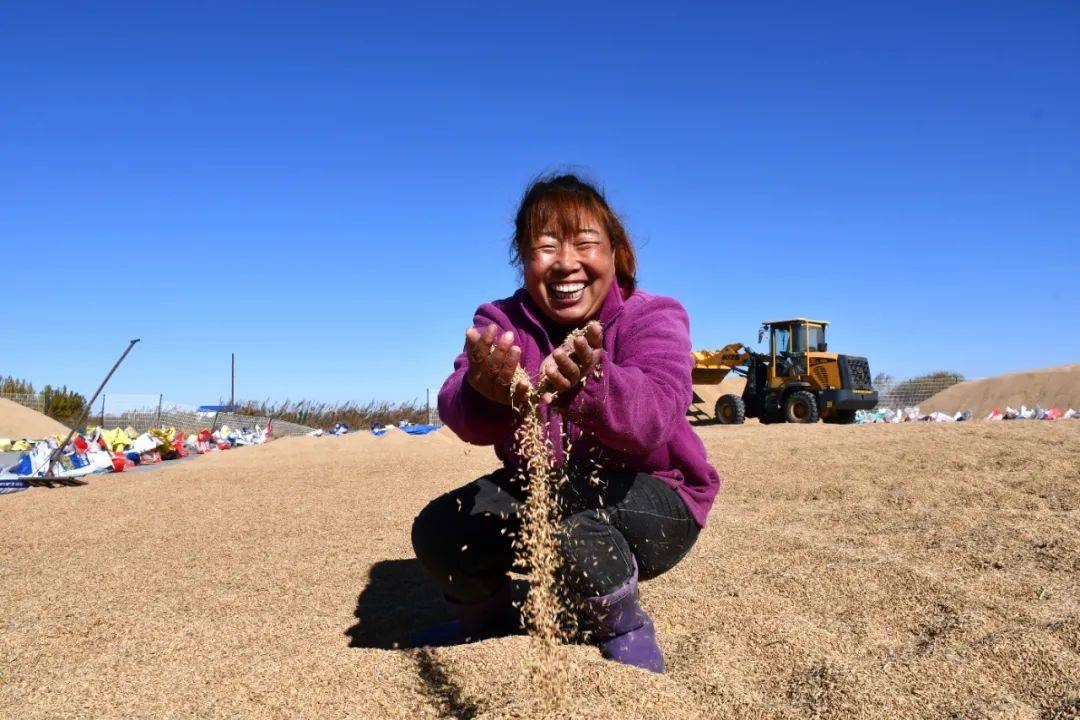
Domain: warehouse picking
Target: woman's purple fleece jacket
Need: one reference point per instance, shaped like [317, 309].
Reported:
[631, 414]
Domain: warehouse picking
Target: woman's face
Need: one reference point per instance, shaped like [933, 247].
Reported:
[569, 277]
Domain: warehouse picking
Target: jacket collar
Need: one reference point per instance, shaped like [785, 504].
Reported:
[613, 304]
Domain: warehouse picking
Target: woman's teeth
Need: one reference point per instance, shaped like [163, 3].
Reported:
[567, 291]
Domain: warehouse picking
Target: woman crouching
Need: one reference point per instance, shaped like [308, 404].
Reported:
[640, 513]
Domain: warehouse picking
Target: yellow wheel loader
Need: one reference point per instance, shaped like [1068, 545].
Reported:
[798, 380]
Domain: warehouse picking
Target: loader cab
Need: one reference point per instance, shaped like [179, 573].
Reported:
[793, 379]
[791, 343]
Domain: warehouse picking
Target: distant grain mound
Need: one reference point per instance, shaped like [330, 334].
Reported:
[1054, 386]
[18, 421]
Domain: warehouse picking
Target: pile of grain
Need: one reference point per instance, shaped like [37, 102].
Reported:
[18, 421]
[1047, 387]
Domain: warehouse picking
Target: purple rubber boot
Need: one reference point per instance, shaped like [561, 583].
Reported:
[494, 616]
[622, 628]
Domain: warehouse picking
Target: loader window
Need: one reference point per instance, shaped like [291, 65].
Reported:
[816, 336]
[798, 340]
[781, 337]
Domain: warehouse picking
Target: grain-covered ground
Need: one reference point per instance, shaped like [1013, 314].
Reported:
[920, 570]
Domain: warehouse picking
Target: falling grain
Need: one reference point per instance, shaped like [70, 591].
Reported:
[546, 613]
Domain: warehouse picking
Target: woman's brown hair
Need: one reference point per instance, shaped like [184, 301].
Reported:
[559, 202]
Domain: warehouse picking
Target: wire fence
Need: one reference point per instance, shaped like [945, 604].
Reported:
[189, 422]
[143, 412]
[30, 400]
[911, 392]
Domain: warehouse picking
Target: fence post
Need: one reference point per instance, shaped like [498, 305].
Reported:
[157, 420]
[103, 411]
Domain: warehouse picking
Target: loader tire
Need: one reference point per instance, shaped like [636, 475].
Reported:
[800, 407]
[840, 417]
[730, 410]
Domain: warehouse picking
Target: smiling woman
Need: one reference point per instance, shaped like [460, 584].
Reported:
[638, 485]
[570, 245]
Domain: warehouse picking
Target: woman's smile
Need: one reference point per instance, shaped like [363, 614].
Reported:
[567, 293]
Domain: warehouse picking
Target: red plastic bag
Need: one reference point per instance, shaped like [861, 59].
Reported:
[120, 462]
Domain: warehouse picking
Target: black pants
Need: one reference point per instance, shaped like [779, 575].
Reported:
[464, 538]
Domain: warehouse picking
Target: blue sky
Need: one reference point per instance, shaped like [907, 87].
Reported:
[327, 190]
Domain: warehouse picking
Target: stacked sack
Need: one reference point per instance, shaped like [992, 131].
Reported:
[340, 428]
[908, 414]
[227, 438]
[115, 450]
[1035, 413]
[912, 414]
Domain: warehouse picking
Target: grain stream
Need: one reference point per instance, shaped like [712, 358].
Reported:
[547, 612]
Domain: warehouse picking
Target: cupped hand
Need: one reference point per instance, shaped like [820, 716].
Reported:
[492, 362]
[569, 363]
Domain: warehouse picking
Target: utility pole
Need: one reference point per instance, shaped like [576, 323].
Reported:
[232, 392]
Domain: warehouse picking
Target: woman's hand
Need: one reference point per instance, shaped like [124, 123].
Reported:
[492, 363]
[566, 366]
